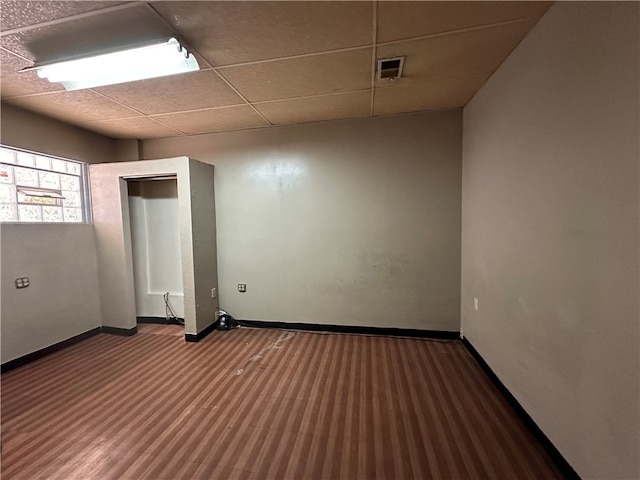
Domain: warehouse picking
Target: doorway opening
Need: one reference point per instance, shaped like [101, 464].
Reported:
[156, 250]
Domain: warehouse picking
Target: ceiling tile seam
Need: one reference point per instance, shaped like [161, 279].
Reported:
[189, 47]
[117, 119]
[21, 57]
[77, 16]
[160, 122]
[441, 109]
[142, 115]
[458, 31]
[195, 110]
[117, 102]
[95, 122]
[304, 97]
[229, 130]
[326, 120]
[374, 38]
[293, 57]
[36, 94]
[211, 66]
[241, 96]
[264, 102]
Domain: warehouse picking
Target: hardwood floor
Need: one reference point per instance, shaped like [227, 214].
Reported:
[263, 404]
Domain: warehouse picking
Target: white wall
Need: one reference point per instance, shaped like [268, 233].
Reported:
[155, 239]
[550, 231]
[62, 299]
[353, 222]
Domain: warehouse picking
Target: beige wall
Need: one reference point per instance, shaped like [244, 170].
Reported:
[30, 131]
[352, 222]
[550, 231]
[113, 237]
[203, 235]
[62, 298]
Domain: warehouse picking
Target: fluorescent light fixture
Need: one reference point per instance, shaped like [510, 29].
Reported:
[159, 60]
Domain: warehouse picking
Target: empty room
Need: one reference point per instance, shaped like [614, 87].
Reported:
[320, 240]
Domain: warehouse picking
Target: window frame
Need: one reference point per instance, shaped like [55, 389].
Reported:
[83, 181]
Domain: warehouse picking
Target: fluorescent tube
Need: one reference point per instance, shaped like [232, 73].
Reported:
[159, 60]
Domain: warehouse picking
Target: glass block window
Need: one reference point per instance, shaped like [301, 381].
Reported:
[42, 189]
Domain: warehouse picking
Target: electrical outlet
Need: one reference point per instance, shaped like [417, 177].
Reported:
[476, 304]
[214, 293]
[22, 282]
[242, 287]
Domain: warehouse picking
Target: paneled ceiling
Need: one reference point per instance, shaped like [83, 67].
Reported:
[262, 63]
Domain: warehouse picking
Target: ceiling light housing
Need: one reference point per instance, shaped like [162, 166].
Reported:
[157, 60]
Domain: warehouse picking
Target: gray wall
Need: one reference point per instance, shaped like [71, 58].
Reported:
[62, 299]
[30, 131]
[550, 231]
[353, 222]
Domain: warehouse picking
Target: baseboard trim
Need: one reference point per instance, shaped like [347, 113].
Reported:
[554, 453]
[190, 337]
[33, 356]
[123, 332]
[160, 320]
[388, 331]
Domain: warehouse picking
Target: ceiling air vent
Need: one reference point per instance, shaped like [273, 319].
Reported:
[390, 68]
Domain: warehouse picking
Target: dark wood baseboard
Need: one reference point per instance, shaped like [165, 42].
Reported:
[124, 332]
[190, 337]
[30, 357]
[533, 427]
[316, 327]
[160, 320]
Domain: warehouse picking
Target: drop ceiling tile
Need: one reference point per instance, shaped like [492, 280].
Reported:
[215, 120]
[142, 128]
[16, 14]
[233, 32]
[302, 77]
[434, 94]
[13, 83]
[457, 54]
[188, 91]
[316, 109]
[402, 20]
[76, 107]
[106, 31]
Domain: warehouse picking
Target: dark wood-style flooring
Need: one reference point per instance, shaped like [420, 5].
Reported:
[262, 404]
